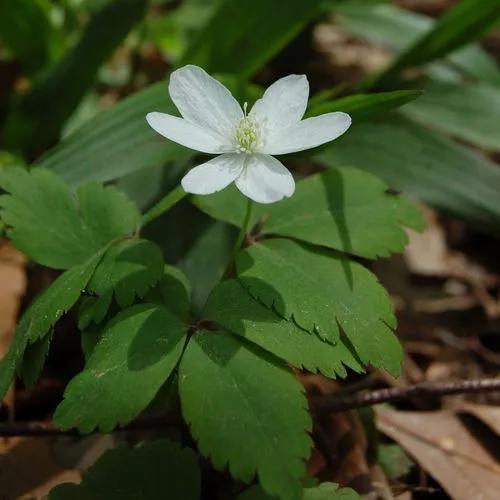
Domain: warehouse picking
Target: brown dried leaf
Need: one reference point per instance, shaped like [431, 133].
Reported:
[441, 444]
[490, 415]
[428, 255]
[12, 288]
[341, 444]
[28, 469]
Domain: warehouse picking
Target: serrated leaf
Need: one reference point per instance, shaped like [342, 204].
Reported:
[324, 292]
[173, 291]
[54, 227]
[253, 36]
[345, 209]
[324, 491]
[231, 307]
[148, 471]
[136, 353]
[433, 168]
[128, 270]
[247, 411]
[363, 106]
[45, 311]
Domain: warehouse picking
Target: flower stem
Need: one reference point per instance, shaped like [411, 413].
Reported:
[165, 204]
[241, 236]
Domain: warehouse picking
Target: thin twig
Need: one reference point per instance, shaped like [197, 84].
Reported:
[43, 428]
[333, 403]
[319, 404]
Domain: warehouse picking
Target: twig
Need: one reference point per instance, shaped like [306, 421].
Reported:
[43, 428]
[333, 403]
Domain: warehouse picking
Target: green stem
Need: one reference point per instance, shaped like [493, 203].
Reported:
[165, 204]
[241, 236]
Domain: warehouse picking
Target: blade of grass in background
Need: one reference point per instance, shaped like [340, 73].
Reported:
[462, 24]
[119, 141]
[470, 111]
[116, 142]
[365, 106]
[37, 120]
[27, 32]
[244, 34]
[434, 169]
[399, 29]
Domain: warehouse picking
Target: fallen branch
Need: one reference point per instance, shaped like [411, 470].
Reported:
[319, 404]
[333, 403]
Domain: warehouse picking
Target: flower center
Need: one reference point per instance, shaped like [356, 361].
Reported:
[248, 133]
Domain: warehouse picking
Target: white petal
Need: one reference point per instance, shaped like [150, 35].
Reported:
[307, 134]
[265, 180]
[204, 101]
[185, 133]
[213, 175]
[284, 102]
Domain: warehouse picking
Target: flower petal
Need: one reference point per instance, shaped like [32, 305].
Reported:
[284, 102]
[185, 133]
[204, 101]
[265, 180]
[213, 175]
[307, 134]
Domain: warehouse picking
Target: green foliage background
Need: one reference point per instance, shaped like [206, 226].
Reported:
[164, 309]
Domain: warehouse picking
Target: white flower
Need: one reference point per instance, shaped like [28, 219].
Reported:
[213, 122]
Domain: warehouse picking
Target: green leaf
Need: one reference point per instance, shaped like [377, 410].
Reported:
[145, 472]
[344, 209]
[119, 141]
[324, 292]
[467, 110]
[231, 307]
[206, 260]
[30, 127]
[18, 21]
[173, 291]
[399, 29]
[116, 142]
[324, 491]
[330, 491]
[137, 351]
[253, 37]
[55, 228]
[33, 360]
[127, 271]
[393, 460]
[246, 411]
[364, 106]
[45, 311]
[464, 23]
[440, 172]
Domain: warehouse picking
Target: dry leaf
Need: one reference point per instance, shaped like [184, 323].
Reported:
[441, 444]
[428, 255]
[12, 288]
[28, 469]
[341, 444]
[490, 415]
